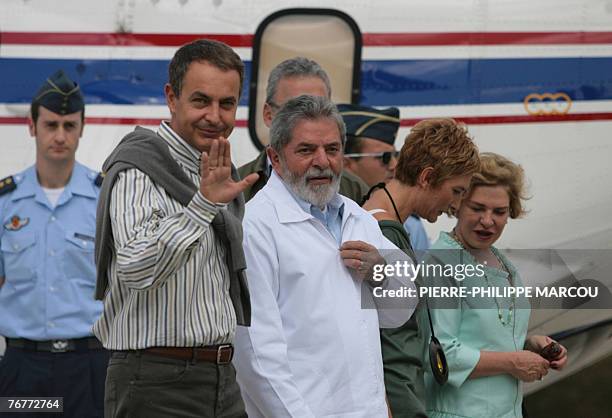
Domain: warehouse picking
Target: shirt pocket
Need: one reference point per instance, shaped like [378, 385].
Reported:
[20, 259]
[78, 261]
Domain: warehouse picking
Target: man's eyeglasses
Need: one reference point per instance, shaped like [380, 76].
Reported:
[385, 157]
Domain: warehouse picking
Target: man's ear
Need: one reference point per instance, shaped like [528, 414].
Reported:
[170, 97]
[31, 126]
[267, 115]
[274, 159]
[424, 177]
[82, 123]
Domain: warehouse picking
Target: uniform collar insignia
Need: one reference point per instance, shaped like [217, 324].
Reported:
[7, 185]
[16, 223]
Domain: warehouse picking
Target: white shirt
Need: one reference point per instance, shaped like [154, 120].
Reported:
[53, 194]
[311, 350]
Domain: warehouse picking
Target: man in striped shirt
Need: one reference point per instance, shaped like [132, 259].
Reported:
[169, 308]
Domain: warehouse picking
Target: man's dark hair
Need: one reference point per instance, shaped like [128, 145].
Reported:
[215, 53]
[353, 145]
[34, 111]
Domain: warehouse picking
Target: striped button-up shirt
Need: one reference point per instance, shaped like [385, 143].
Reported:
[168, 280]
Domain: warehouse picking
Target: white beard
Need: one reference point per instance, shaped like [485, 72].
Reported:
[319, 195]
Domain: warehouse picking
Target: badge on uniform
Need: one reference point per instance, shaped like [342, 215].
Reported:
[16, 223]
[7, 184]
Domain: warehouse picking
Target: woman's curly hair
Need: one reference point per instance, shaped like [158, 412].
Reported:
[442, 144]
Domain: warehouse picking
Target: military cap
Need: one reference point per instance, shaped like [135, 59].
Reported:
[380, 124]
[60, 94]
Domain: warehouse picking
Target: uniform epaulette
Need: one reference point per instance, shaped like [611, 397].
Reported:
[7, 185]
[99, 179]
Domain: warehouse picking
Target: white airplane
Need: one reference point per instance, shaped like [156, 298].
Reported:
[532, 79]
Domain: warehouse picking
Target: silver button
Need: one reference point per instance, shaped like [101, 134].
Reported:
[50, 324]
[15, 246]
[53, 219]
[51, 253]
[84, 242]
[52, 289]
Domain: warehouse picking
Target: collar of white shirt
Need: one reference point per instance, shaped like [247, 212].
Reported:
[291, 208]
[183, 152]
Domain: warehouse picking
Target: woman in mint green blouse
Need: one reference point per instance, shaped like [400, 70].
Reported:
[484, 338]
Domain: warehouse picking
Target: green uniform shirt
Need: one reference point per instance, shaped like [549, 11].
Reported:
[402, 348]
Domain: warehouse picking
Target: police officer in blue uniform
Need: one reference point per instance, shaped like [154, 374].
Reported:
[47, 272]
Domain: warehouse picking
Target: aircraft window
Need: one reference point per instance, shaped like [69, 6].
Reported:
[329, 37]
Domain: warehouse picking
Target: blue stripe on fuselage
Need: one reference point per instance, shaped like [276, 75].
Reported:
[440, 82]
[383, 83]
[139, 82]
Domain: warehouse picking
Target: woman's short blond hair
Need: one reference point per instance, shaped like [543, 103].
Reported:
[442, 144]
[497, 170]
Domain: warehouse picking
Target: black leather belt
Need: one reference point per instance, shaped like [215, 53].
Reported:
[218, 354]
[56, 346]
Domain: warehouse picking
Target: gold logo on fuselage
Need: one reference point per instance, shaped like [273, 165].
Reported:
[547, 104]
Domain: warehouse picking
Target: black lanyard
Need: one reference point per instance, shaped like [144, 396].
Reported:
[437, 359]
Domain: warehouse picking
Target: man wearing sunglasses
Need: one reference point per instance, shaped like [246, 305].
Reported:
[369, 151]
[370, 154]
[384, 157]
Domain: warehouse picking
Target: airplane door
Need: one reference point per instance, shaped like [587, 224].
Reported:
[330, 37]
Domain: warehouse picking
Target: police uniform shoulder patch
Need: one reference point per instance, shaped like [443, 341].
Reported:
[16, 223]
[99, 178]
[7, 185]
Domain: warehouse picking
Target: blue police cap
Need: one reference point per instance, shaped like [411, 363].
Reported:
[362, 121]
[60, 95]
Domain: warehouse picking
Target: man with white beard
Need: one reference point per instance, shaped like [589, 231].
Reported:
[311, 349]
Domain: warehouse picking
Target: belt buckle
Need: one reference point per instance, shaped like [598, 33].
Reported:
[59, 346]
[220, 352]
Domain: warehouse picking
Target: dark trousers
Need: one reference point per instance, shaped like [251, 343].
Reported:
[78, 377]
[150, 386]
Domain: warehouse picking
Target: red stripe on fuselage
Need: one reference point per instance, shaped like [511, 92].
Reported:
[12, 120]
[119, 39]
[489, 120]
[369, 39]
[485, 38]
[470, 120]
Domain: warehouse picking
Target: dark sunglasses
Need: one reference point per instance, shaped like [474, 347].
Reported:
[385, 157]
